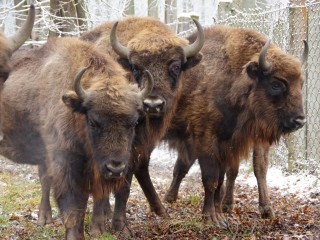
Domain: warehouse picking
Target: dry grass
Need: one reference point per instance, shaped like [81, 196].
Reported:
[295, 218]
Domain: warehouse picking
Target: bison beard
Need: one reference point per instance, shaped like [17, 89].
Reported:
[138, 44]
[77, 126]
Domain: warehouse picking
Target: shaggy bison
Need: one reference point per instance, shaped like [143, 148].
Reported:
[248, 94]
[11, 44]
[140, 43]
[72, 111]
[245, 93]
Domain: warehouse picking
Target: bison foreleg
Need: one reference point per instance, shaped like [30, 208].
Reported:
[72, 205]
[143, 177]
[45, 213]
[218, 197]
[228, 200]
[119, 219]
[181, 168]
[260, 167]
[101, 209]
[212, 173]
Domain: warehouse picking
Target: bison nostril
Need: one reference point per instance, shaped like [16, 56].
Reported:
[299, 121]
[115, 167]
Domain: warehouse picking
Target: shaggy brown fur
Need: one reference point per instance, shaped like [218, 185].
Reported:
[153, 46]
[72, 139]
[8, 46]
[229, 105]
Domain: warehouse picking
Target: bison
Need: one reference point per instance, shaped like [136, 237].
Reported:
[139, 43]
[245, 93]
[11, 44]
[71, 110]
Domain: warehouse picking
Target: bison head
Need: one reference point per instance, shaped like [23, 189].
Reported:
[111, 114]
[157, 49]
[278, 89]
[11, 44]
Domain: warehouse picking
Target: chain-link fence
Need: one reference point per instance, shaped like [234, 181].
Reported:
[286, 24]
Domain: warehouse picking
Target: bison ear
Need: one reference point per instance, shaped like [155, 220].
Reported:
[192, 61]
[252, 69]
[72, 101]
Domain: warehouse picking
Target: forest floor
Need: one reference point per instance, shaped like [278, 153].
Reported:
[297, 213]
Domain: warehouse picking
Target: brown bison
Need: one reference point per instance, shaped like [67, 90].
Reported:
[140, 43]
[245, 93]
[11, 44]
[78, 126]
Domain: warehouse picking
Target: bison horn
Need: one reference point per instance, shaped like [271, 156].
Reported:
[147, 90]
[264, 65]
[195, 47]
[77, 86]
[121, 50]
[305, 53]
[24, 33]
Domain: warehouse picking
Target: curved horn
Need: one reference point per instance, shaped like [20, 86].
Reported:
[24, 32]
[305, 53]
[264, 65]
[121, 50]
[77, 86]
[195, 47]
[147, 90]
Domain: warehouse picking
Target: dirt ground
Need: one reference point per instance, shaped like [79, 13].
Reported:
[296, 217]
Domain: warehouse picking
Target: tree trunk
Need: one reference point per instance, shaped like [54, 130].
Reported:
[171, 13]
[68, 17]
[153, 8]
[130, 8]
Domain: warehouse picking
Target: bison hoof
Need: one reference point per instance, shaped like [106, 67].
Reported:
[227, 208]
[97, 229]
[169, 197]
[125, 233]
[44, 219]
[161, 212]
[266, 212]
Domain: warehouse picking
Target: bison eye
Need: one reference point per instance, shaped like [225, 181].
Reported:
[278, 87]
[174, 72]
[175, 68]
[136, 73]
[93, 124]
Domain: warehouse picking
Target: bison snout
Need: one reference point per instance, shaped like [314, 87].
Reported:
[299, 121]
[295, 123]
[154, 106]
[115, 169]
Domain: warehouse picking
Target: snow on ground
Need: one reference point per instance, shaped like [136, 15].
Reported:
[302, 184]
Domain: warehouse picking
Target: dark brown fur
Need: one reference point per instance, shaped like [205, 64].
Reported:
[226, 109]
[153, 46]
[46, 123]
